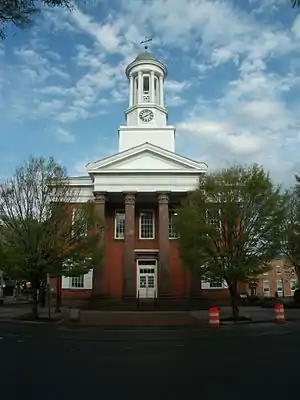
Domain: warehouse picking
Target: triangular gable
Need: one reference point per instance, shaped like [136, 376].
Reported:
[146, 157]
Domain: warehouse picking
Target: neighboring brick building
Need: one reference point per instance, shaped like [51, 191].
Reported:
[280, 278]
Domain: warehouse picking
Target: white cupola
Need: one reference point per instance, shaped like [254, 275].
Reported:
[146, 115]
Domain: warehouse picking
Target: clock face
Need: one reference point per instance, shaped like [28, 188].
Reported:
[146, 115]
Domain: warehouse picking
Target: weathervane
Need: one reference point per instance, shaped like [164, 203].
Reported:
[145, 41]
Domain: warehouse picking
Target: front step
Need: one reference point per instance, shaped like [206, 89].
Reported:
[158, 304]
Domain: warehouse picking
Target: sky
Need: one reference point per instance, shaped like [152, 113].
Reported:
[232, 89]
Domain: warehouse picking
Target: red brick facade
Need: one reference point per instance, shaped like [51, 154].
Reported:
[179, 279]
[119, 252]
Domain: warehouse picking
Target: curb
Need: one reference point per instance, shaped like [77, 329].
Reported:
[25, 322]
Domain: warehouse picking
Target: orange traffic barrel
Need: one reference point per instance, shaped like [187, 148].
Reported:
[214, 316]
[279, 313]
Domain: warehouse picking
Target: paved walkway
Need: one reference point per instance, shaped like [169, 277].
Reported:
[150, 318]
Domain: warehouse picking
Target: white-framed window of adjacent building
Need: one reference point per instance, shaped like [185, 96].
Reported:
[266, 288]
[278, 270]
[119, 224]
[280, 287]
[146, 225]
[78, 221]
[172, 232]
[77, 282]
[293, 286]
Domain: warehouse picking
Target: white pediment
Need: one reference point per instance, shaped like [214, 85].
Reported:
[146, 157]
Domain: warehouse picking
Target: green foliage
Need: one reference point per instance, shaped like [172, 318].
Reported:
[38, 234]
[290, 228]
[228, 226]
[21, 12]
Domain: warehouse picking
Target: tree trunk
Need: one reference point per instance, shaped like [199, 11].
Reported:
[35, 300]
[58, 295]
[234, 299]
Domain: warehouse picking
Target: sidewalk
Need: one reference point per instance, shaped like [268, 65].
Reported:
[123, 319]
[22, 313]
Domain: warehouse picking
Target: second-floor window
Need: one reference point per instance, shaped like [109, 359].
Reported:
[172, 232]
[146, 225]
[119, 224]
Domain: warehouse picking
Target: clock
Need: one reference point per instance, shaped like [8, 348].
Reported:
[146, 115]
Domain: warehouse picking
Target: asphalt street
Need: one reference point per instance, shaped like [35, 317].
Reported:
[43, 362]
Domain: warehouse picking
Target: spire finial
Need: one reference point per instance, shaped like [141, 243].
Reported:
[145, 41]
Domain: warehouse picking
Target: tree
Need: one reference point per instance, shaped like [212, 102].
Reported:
[290, 244]
[295, 3]
[21, 12]
[41, 232]
[228, 227]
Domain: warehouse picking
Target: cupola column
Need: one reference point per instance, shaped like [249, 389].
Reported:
[131, 91]
[161, 91]
[152, 89]
[140, 86]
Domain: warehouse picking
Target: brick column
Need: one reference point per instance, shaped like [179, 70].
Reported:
[129, 243]
[163, 244]
[98, 274]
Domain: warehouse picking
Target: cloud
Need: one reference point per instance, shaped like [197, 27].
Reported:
[233, 73]
[64, 136]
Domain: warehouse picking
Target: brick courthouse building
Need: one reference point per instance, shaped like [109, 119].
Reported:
[136, 190]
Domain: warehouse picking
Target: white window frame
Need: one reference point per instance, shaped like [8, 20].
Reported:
[172, 234]
[295, 284]
[280, 287]
[118, 211]
[216, 285]
[212, 221]
[80, 278]
[266, 285]
[207, 285]
[278, 270]
[153, 224]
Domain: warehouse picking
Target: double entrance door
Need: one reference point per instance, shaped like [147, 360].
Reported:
[146, 279]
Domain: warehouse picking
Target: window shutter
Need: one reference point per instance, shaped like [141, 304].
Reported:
[65, 282]
[88, 280]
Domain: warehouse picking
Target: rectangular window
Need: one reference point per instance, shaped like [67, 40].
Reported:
[293, 284]
[146, 225]
[216, 285]
[77, 282]
[280, 287]
[266, 288]
[278, 270]
[119, 224]
[172, 233]
[214, 218]
[79, 222]
[146, 83]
